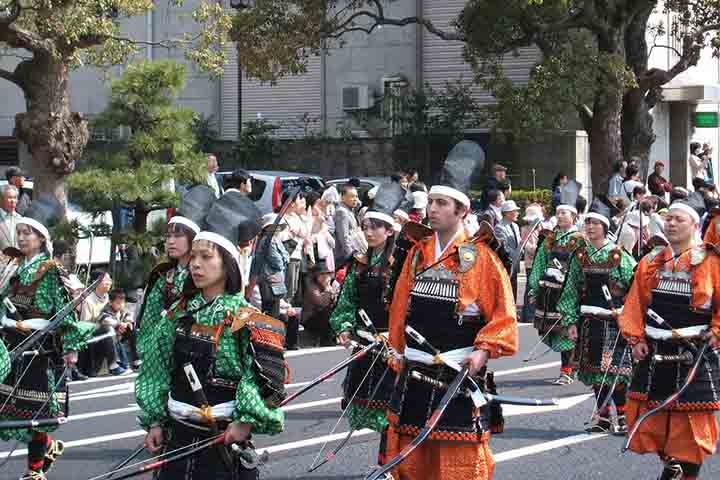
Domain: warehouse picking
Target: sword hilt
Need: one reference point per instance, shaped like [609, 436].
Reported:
[685, 358]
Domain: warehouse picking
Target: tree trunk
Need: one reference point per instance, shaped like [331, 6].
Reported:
[637, 129]
[605, 136]
[55, 136]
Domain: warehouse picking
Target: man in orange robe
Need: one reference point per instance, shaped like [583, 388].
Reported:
[456, 293]
[672, 308]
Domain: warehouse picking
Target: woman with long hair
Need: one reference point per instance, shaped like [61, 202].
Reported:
[369, 383]
[35, 386]
[214, 340]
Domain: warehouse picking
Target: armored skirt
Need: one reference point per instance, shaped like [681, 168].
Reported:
[369, 381]
[38, 380]
[602, 353]
[684, 295]
[225, 358]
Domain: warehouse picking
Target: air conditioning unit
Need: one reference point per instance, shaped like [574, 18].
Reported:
[356, 97]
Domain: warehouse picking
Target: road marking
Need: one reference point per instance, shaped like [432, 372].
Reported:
[283, 447]
[544, 447]
[109, 378]
[311, 351]
[565, 403]
[531, 368]
[103, 413]
[129, 388]
[85, 441]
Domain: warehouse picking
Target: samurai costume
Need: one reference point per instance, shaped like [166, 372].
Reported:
[236, 356]
[460, 299]
[35, 386]
[166, 281]
[369, 382]
[604, 359]
[545, 283]
[674, 299]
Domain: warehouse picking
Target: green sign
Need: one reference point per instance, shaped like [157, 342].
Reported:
[706, 119]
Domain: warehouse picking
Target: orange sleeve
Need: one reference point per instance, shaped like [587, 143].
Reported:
[399, 305]
[632, 318]
[495, 299]
[708, 274]
[712, 235]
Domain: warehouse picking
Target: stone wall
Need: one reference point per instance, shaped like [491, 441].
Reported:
[528, 164]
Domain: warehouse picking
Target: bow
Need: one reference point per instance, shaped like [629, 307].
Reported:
[53, 323]
[430, 425]
[161, 460]
[671, 399]
[373, 336]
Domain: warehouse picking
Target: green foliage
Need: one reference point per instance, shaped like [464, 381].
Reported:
[160, 151]
[256, 143]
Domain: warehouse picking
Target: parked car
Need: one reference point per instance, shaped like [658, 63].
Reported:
[366, 183]
[268, 186]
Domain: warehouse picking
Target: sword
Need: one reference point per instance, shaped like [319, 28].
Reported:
[202, 401]
[507, 399]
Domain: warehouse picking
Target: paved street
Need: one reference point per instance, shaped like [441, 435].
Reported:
[538, 443]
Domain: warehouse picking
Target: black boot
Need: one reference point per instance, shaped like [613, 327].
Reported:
[77, 375]
[622, 428]
[601, 425]
[672, 471]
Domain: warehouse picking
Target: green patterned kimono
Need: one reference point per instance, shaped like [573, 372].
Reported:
[4, 362]
[164, 291]
[569, 304]
[558, 341]
[343, 319]
[234, 362]
[50, 297]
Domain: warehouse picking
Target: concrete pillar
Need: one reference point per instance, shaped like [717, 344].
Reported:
[681, 131]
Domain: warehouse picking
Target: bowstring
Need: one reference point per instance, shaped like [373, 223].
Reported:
[352, 398]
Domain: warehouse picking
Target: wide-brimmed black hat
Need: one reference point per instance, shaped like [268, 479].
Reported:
[194, 206]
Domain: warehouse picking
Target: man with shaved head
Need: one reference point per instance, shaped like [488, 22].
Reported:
[671, 316]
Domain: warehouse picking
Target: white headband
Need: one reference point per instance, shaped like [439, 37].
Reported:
[185, 221]
[380, 216]
[599, 217]
[220, 241]
[449, 192]
[36, 225]
[687, 209]
[569, 208]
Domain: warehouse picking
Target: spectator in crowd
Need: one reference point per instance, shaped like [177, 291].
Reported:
[419, 207]
[16, 178]
[91, 311]
[580, 206]
[657, 184]
[493, 213]
[533, 213]
[561, 179]
[355, 182]
[634, 233]
[698, 163]
[116, 315]
[323, 241]
[296, 238]
[499, 175]
[678, 193]
[508, 233]
[239, 180]
[320, 294]
[615, 184]
[212, 166]
[271, 280]
[639, 193]
[345, 224]
[413, 176]
[632, 180]
[707, 154]
[8, 217]
[401, 217]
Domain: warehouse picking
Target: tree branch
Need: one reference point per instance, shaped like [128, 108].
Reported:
[18, 37]
[378, 19]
